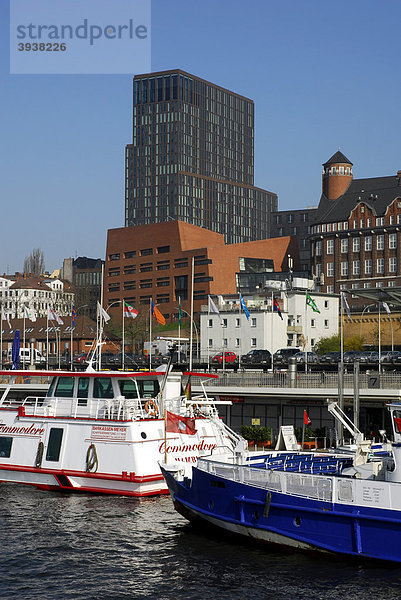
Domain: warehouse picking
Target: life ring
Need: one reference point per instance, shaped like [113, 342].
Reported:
[151, 408]
[92, 462]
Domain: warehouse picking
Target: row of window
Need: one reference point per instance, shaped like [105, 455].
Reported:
[359, 223]
[356, 244]
[143, 252]
[368, 267]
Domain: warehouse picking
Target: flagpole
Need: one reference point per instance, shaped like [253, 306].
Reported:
[47, 337]
[303, 432]
[1, 338]
[179, 329]
[123, 348]
[23, 361]
[341, 366]
[380, 343]
[150, 335]
[192, 311]
[272, 333]
[305, 336]
[240, 337]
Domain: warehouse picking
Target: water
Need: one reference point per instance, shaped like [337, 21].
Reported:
[59, 546]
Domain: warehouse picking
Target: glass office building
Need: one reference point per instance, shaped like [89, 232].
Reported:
[192, 158]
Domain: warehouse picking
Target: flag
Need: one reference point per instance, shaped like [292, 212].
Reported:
[307, 420]
[180, 312]
[244, 306]
[102, 313]
[53, 316]
[213, 308]
[73, 316]
[187, 391]
[177, 424]
[345, 305]
[29, 313]
[387, 308]
[310, 302]
[157, 314]
[277, 308]
[130, 311]
[5, 317]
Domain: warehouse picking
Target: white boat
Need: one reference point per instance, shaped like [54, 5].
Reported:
[106, 432]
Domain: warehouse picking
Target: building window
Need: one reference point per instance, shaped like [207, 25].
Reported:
[392, 264]
[380, 265]
[253, 342]
[326, 304]
[313, 322]
[319, 248]
[318, 270]
[210, 343]
[362, 223]
[146, 251]
[356, 244]
[224, 322]
[330, 289]
[391, 284]
[368, 266]
[379, 284]
[210, 323]
[114, 256]
[290, 218]
[368, 243]
[392, 241]
[344, 269]
[356, 267]
[330, 269]
[344, 245]
[326, 323]
[253, 322]
[367, 285]
[238, 322]
[398, 218]
[130, 254]
[391, 219]
[330, 246]
[237, 342]
[163, 249]
[225, 341]
[380, 242]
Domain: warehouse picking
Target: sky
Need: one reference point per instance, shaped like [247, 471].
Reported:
[323, 76]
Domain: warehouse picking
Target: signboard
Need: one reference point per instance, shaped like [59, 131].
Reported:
[255, 421]
[108, 433]
[233, 399]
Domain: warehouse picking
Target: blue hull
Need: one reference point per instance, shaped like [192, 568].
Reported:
[286, 519]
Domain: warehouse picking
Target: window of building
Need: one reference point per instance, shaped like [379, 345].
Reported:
[380, 265]
[367, 285]
[368, 266]
[318, 248]
[326, 304]
[391, 284]
[356, 244]
[362, 223]
[355, 224]
[145, 283]
[145, 267]
[129, 270]
[368, 222]
[210, 343]
[380, 242]
[344, 245]
[392, 264]
[379, 284]
[277, 219]
[146, 251]
[330, 269]
[210, 323]
[180, 262]
[356, 267]
[326, 323]
[225, 342]
[237, 342]
[238, 322]
[368, 243]
[224, 322]
[130, 254]
[253, 322]
[253, 342]
[392, 241]
[398, 218]
[344, 269]
[313, 322]
[290, 218]
[162, 265]
[391, 219]
[330, 246]
[163, 249]
[318, 270]
[114, 256]
[330, 289]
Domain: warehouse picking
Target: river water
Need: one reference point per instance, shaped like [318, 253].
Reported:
[61, 546]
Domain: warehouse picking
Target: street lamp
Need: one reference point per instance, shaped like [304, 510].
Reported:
[196, 332]
[360, 324]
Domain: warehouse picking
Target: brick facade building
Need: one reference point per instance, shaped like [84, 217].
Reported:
[154, 261]
[356, 238]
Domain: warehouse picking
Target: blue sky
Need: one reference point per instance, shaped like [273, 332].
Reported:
[323, 76]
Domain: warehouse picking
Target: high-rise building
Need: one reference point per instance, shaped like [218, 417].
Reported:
[192, 158]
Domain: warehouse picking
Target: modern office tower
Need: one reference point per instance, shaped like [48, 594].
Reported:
[192, 158]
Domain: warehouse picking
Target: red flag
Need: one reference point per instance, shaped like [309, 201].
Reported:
[397, 421]
[307, 420]
[177, 424]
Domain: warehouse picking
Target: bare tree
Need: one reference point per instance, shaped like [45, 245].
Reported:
[35, 262]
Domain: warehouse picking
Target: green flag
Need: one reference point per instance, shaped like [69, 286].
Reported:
[180, 312]
[310, 302]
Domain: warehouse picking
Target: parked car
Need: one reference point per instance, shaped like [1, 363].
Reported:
[369, 358]
[281, 356]
[352, 355]
[311, 358]
[390, 357]
[330, 358]
[260, 357]
[229, 357]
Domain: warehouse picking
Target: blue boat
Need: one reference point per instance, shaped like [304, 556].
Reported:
[342, 504]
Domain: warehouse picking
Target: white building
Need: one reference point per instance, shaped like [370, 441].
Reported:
[36, 293]
[300, 326]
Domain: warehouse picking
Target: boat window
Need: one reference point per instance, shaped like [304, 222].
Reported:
[65, 387]
[397, 420]
[128, 389]
[102, 388]
[82, 393]
[5, 446]
[148, 388]
[51, 387]
[54, 444]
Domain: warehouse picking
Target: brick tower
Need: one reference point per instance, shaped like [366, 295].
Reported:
[337, 176]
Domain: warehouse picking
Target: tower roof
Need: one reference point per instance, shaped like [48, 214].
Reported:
[338, 157]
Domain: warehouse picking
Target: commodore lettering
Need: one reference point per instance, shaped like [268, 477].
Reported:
[31, 430]
[186, 447]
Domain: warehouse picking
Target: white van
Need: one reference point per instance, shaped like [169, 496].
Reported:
[25, 357]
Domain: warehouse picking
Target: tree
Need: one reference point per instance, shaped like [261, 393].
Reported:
[332, 344]
[35, 262]
[134, 330]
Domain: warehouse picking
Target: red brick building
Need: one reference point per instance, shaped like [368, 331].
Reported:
[356, 238]
[154, 261]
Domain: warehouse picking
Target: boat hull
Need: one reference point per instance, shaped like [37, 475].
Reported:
[281, 519]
